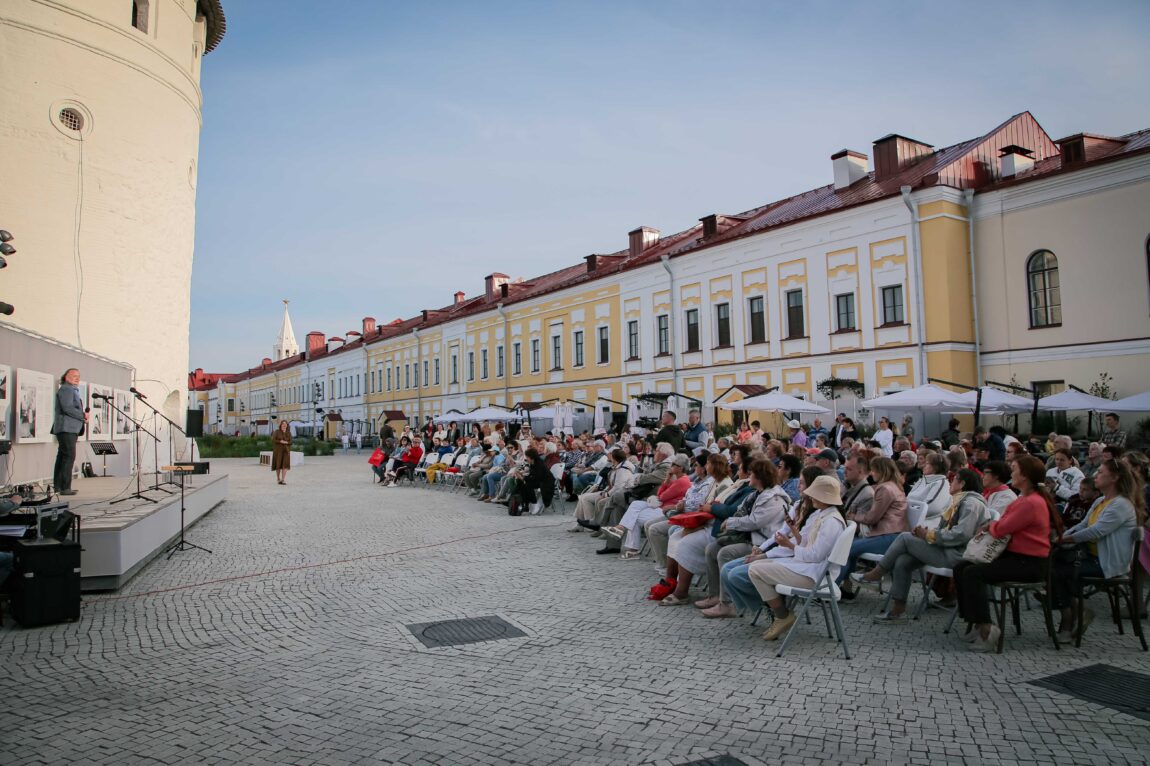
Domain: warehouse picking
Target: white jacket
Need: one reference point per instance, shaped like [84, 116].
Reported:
[934, 490]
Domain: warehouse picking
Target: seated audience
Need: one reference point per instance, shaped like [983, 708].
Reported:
[885, 519]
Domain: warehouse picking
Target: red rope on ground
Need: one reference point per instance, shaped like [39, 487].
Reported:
[320, 564]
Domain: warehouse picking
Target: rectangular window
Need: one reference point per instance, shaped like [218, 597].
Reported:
[633, 339]
[578, 348]
[845, 312]
[407, 375]
[692, 329]
[535, 355]
[557, 352]
[664, 324]
[471, 365]
[516, 360]
[723, 324]
[499, 362]
[796, 318]
[437, 370]
[483, 363]
[604, 345]
[758, 319]
[231, 405]
[388, 378]
[454, 368]
[424, 378]
[892, 312]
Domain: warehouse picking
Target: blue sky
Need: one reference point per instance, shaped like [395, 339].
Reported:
[371, 158]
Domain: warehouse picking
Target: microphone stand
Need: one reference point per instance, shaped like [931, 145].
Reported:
[155, 447]
[139, 493]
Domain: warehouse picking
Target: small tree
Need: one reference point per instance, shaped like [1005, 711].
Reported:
[1101, 388]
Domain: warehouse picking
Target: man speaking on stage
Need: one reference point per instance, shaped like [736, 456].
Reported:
[67, 425]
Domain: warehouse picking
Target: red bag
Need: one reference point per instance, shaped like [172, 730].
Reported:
[376, 458]
[692, 520]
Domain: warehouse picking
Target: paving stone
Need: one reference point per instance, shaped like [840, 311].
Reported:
[288, 645]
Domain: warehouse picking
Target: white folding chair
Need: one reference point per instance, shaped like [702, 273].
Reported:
[825, 592]
[915, 516]
[455, 479]
[928, 574]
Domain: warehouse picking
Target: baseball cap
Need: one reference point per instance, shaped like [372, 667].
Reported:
[829, 454]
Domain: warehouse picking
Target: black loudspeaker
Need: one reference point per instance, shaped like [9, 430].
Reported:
[45, 583]
[194, 423]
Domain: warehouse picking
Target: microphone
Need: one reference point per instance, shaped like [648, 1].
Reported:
[137, 393]
[105, 397]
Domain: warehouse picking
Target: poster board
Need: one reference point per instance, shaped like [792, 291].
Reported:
[121, 416]
[100, 413]
[34, 406]
[6, 390]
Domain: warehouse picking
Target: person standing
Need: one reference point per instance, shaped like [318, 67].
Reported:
[281, 452]
[885, 437]
[1113, 435]
[68, 424]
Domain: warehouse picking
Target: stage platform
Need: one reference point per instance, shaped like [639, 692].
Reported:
[119, 539]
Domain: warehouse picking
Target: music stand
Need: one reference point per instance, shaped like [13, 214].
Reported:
[103, 449]
[182, 544]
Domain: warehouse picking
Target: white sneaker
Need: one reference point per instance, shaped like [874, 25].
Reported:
[536, 508]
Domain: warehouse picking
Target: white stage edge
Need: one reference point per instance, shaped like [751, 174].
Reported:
[113, 554]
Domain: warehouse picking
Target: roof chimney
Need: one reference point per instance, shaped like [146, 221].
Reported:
[368, 325]
[492, 282]
[592, 262]
[849, 166]
[894, 153]
[710, 225]
[460, 297]
[337, 340]
[642, 239]
[504, 289]
[315, 344]
[266, 362]
[1013, 160]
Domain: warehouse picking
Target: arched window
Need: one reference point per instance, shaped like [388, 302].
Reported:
[1045, 294]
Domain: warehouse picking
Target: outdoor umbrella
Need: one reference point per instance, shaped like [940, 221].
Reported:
[996, 402]
[928, 397]
[775, 401]
[1075, 401]
[448, 417]
[488, 414]
[1136, 403]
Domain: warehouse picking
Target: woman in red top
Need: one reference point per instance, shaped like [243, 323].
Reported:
[1028, 521]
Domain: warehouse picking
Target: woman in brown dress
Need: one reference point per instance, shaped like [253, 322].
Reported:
[281, 451]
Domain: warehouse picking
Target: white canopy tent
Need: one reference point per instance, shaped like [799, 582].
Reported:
[1136, 403]
[488, 415]
[1075, 401]
[996, 402]
[454, 416]
[775, 401]
[928, 397]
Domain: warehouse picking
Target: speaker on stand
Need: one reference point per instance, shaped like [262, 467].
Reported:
[194, 427]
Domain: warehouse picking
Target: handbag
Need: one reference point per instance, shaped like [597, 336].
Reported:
[376, 458]
[692, 520]
[984, 548]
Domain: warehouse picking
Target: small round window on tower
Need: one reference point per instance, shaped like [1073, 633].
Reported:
[71, 119]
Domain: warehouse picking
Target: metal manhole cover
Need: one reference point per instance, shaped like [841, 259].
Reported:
[469, 631]
[718, 760]
[1105, 685]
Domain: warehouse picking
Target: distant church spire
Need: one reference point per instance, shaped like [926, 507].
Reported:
[285, 345]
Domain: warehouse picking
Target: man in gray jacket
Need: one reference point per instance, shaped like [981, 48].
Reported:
[68, 424]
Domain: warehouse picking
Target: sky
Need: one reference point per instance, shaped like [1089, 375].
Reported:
[372, 158]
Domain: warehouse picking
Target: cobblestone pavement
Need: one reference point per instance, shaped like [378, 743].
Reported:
[287, 645]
